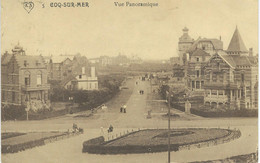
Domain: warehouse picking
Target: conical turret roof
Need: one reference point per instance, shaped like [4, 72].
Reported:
[236, 44]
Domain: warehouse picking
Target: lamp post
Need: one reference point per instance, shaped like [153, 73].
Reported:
[169, 127]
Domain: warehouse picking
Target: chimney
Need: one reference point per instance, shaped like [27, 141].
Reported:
[250, 51]
[83, 70]
[92, 71]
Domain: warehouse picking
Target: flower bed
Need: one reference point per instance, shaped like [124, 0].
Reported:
[155, 140]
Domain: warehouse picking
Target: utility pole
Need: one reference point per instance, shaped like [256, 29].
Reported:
[169, 128]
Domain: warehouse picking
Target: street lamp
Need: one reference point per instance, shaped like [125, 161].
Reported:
[169, 126]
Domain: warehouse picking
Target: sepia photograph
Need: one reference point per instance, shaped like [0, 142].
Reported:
[129, 81]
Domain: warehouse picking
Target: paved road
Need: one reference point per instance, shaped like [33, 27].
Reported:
[69, 150]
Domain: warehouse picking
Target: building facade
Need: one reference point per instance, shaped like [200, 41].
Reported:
[84, 81]
[24, 79]
[231, 77]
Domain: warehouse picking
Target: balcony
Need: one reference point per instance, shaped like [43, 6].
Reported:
[220, 85]
[35, 88]
[215, 98]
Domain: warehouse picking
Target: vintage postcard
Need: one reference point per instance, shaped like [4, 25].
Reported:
[129, 81]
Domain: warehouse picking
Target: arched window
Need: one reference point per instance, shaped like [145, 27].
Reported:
[39, 78]
[27, 76]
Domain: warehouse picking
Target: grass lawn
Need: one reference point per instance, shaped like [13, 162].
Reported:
[10, 134]
[28, 137]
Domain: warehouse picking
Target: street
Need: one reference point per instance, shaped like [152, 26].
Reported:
[69, 150]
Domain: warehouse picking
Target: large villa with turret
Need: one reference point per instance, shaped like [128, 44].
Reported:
[226, 78]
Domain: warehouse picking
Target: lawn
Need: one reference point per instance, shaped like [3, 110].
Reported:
[28, 137]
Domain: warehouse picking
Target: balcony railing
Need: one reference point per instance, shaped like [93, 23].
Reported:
[35, 88]
[221, 85]
[215, 98]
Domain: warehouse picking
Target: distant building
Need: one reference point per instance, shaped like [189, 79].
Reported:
[105, 60]
[185, 42]
[24, 79]
[70, 66]
[83, 81]
[231, 77]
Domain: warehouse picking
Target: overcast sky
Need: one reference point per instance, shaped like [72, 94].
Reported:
[103, 29]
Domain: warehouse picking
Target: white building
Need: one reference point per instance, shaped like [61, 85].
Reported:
[83, 81]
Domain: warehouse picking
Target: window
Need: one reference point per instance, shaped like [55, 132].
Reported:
[193, 84]
[214, 92]
[26, 78]
[198, 59]
[80, 76]
[39, 78]
[13, 97]
[198, 73]
[37, 63]
[27, 81]
[25, 63]
[202, 84]
[220, 92]
[197, 84]
[242, 77]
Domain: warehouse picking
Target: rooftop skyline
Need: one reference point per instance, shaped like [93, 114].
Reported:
[103, 29]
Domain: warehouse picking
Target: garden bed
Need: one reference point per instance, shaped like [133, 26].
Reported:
[156, 140]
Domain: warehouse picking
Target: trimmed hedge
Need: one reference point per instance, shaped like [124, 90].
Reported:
[226, 113]
[98, 146]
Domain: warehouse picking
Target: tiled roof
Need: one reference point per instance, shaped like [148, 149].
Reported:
[241, 60]
[236, 44]
[227, 58]
[200, 52]
[237, 60]
[217, 44]
[30, 61]
[6, 58]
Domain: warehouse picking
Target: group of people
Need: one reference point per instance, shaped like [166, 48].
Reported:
[123, 109]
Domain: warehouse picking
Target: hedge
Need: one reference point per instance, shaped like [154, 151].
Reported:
[98, 146]
[226, 113]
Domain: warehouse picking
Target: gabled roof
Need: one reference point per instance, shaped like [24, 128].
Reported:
[236, 60]
[236, 44]
[30, 61]
[227, 58]
[200, 52]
